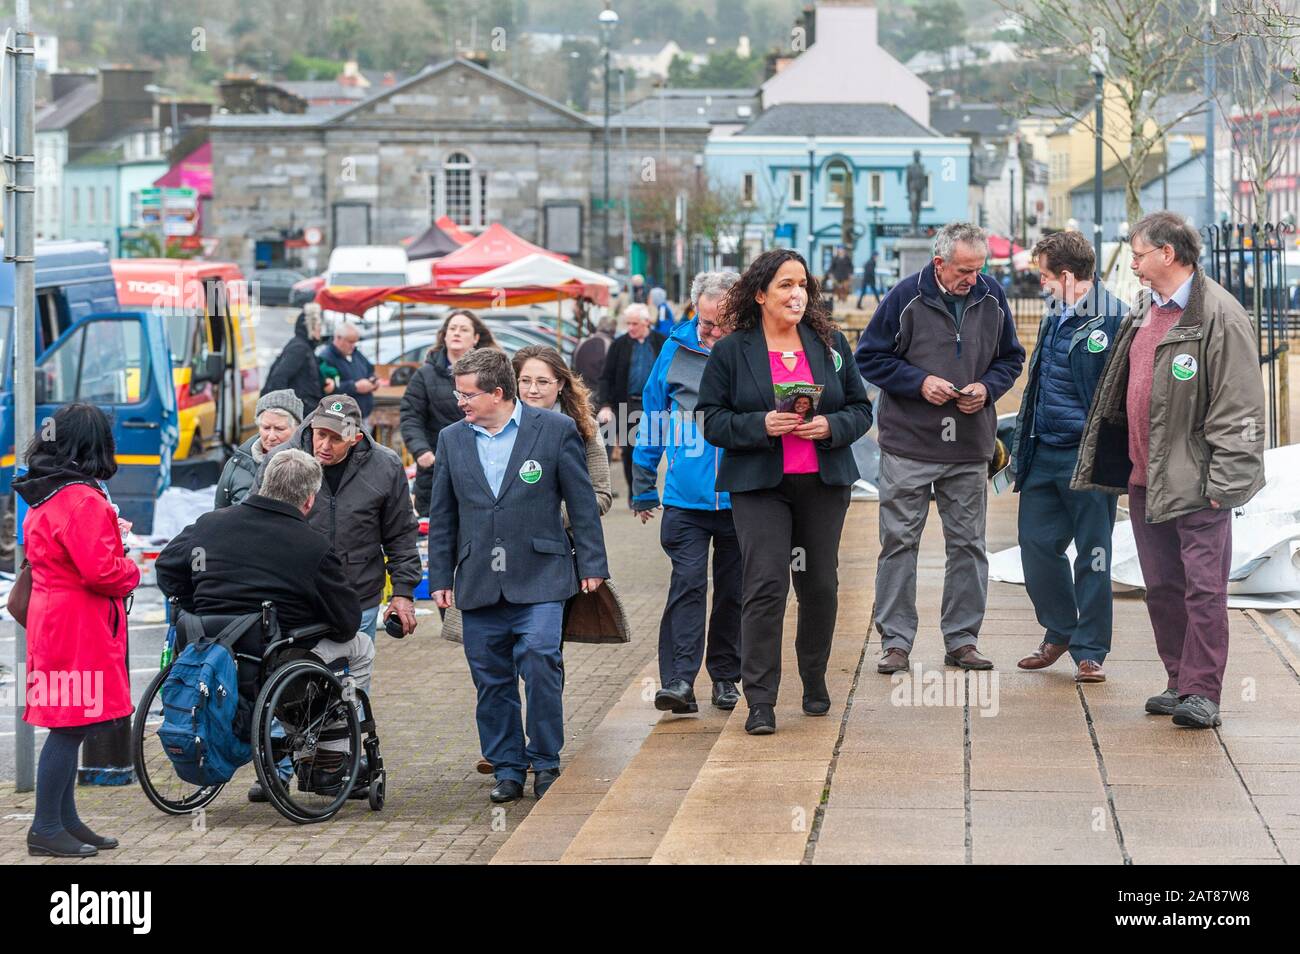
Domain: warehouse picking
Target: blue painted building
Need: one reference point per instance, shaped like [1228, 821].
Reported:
[101, 194]
[1186, 191]
[798, 166]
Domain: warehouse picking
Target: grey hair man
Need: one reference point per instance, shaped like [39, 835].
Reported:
[230, 560]
[695, 514]
[707, 291]
[1176, 423]
[356, 376]
[942, 348]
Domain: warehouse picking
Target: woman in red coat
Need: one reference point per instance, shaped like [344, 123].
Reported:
[77, 673]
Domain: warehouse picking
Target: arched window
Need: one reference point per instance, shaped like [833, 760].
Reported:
[460, 191]
[839, 183]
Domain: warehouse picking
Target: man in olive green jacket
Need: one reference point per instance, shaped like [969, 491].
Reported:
[1178, 424]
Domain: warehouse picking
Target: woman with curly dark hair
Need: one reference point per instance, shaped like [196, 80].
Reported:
[789, 478]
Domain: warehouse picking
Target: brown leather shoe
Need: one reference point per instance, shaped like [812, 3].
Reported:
[967, 657]
[1090, 671]
[1042, 657]
[484, 767]
[894, 660]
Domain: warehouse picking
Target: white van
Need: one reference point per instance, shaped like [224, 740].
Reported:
[366, 266]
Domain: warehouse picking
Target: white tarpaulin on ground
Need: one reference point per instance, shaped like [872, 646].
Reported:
[1265, 544]
[177, 508]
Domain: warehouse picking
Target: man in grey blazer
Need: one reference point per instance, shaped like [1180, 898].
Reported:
[496, 539]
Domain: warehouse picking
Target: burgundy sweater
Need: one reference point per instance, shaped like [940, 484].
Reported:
[1141, 371]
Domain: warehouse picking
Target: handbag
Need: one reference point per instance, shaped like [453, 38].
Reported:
[20, 594]
[596, 617]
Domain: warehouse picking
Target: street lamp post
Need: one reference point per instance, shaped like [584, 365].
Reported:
[608, 20]
[1099, 58]
[1210, 82]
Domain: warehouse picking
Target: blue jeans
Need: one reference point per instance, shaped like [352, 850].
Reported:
[502, 643]
[370, 621]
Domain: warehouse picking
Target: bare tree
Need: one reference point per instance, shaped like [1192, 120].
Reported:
[1256, 72]
[1258, 43]
[1152, 52]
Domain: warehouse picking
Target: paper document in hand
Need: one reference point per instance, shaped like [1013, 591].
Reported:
[798, 397]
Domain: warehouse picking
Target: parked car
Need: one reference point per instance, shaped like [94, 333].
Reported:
[394, 348]
[274, 285]
[305, 290]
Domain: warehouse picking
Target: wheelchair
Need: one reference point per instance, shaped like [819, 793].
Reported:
[307, 738]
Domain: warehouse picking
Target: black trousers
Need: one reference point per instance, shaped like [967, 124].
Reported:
[789, 531]
[423, 490]
[685, 535]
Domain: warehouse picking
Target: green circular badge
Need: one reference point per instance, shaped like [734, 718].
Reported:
[836, 359]
[1098, 342]
[530, 472]
[1184, 366]
[336, 406]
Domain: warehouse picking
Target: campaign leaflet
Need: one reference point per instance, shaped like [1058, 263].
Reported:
[798, 397]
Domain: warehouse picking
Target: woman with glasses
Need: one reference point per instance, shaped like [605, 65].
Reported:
[429, 403]
[545, 381]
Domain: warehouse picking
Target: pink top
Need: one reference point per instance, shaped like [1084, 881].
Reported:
[1141, 373]
[800, 453]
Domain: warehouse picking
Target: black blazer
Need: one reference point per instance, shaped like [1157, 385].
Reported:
[618, 362]
[736, 394]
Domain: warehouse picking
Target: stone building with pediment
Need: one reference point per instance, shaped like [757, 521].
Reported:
[456, 139]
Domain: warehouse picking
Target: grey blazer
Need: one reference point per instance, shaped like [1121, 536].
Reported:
[513, 546]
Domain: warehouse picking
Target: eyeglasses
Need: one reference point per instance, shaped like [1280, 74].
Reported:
[706, 327]
[527, 384]
[1138, 256]
[462, 398]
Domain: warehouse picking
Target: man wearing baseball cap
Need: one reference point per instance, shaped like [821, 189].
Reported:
[364, 507]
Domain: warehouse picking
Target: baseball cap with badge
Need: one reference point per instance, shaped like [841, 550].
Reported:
[339, 413]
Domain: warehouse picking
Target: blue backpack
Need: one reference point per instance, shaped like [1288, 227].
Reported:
[200, 699]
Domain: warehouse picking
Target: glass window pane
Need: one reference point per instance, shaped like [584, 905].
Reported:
[116, 367]
[57, 374]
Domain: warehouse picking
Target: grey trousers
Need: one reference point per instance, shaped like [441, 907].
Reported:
[961, 491]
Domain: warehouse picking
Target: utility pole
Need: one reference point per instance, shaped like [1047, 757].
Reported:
[1210, 82]
[20, 240]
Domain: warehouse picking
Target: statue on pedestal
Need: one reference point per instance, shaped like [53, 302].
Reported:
[916, 182]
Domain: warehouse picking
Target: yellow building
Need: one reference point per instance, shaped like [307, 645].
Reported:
[1071, 150]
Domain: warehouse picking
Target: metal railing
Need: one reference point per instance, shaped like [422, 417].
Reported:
[1250, 262]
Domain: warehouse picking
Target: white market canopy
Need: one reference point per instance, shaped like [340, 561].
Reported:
[538, 270]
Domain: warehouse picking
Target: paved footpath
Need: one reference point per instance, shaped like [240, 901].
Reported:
[951, 768]
[946, 767]
[437, 808]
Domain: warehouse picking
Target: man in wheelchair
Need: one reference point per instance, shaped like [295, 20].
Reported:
[230, 561]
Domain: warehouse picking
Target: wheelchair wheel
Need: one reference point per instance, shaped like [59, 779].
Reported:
[376, 795]
[307, 742]
[162, 786]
